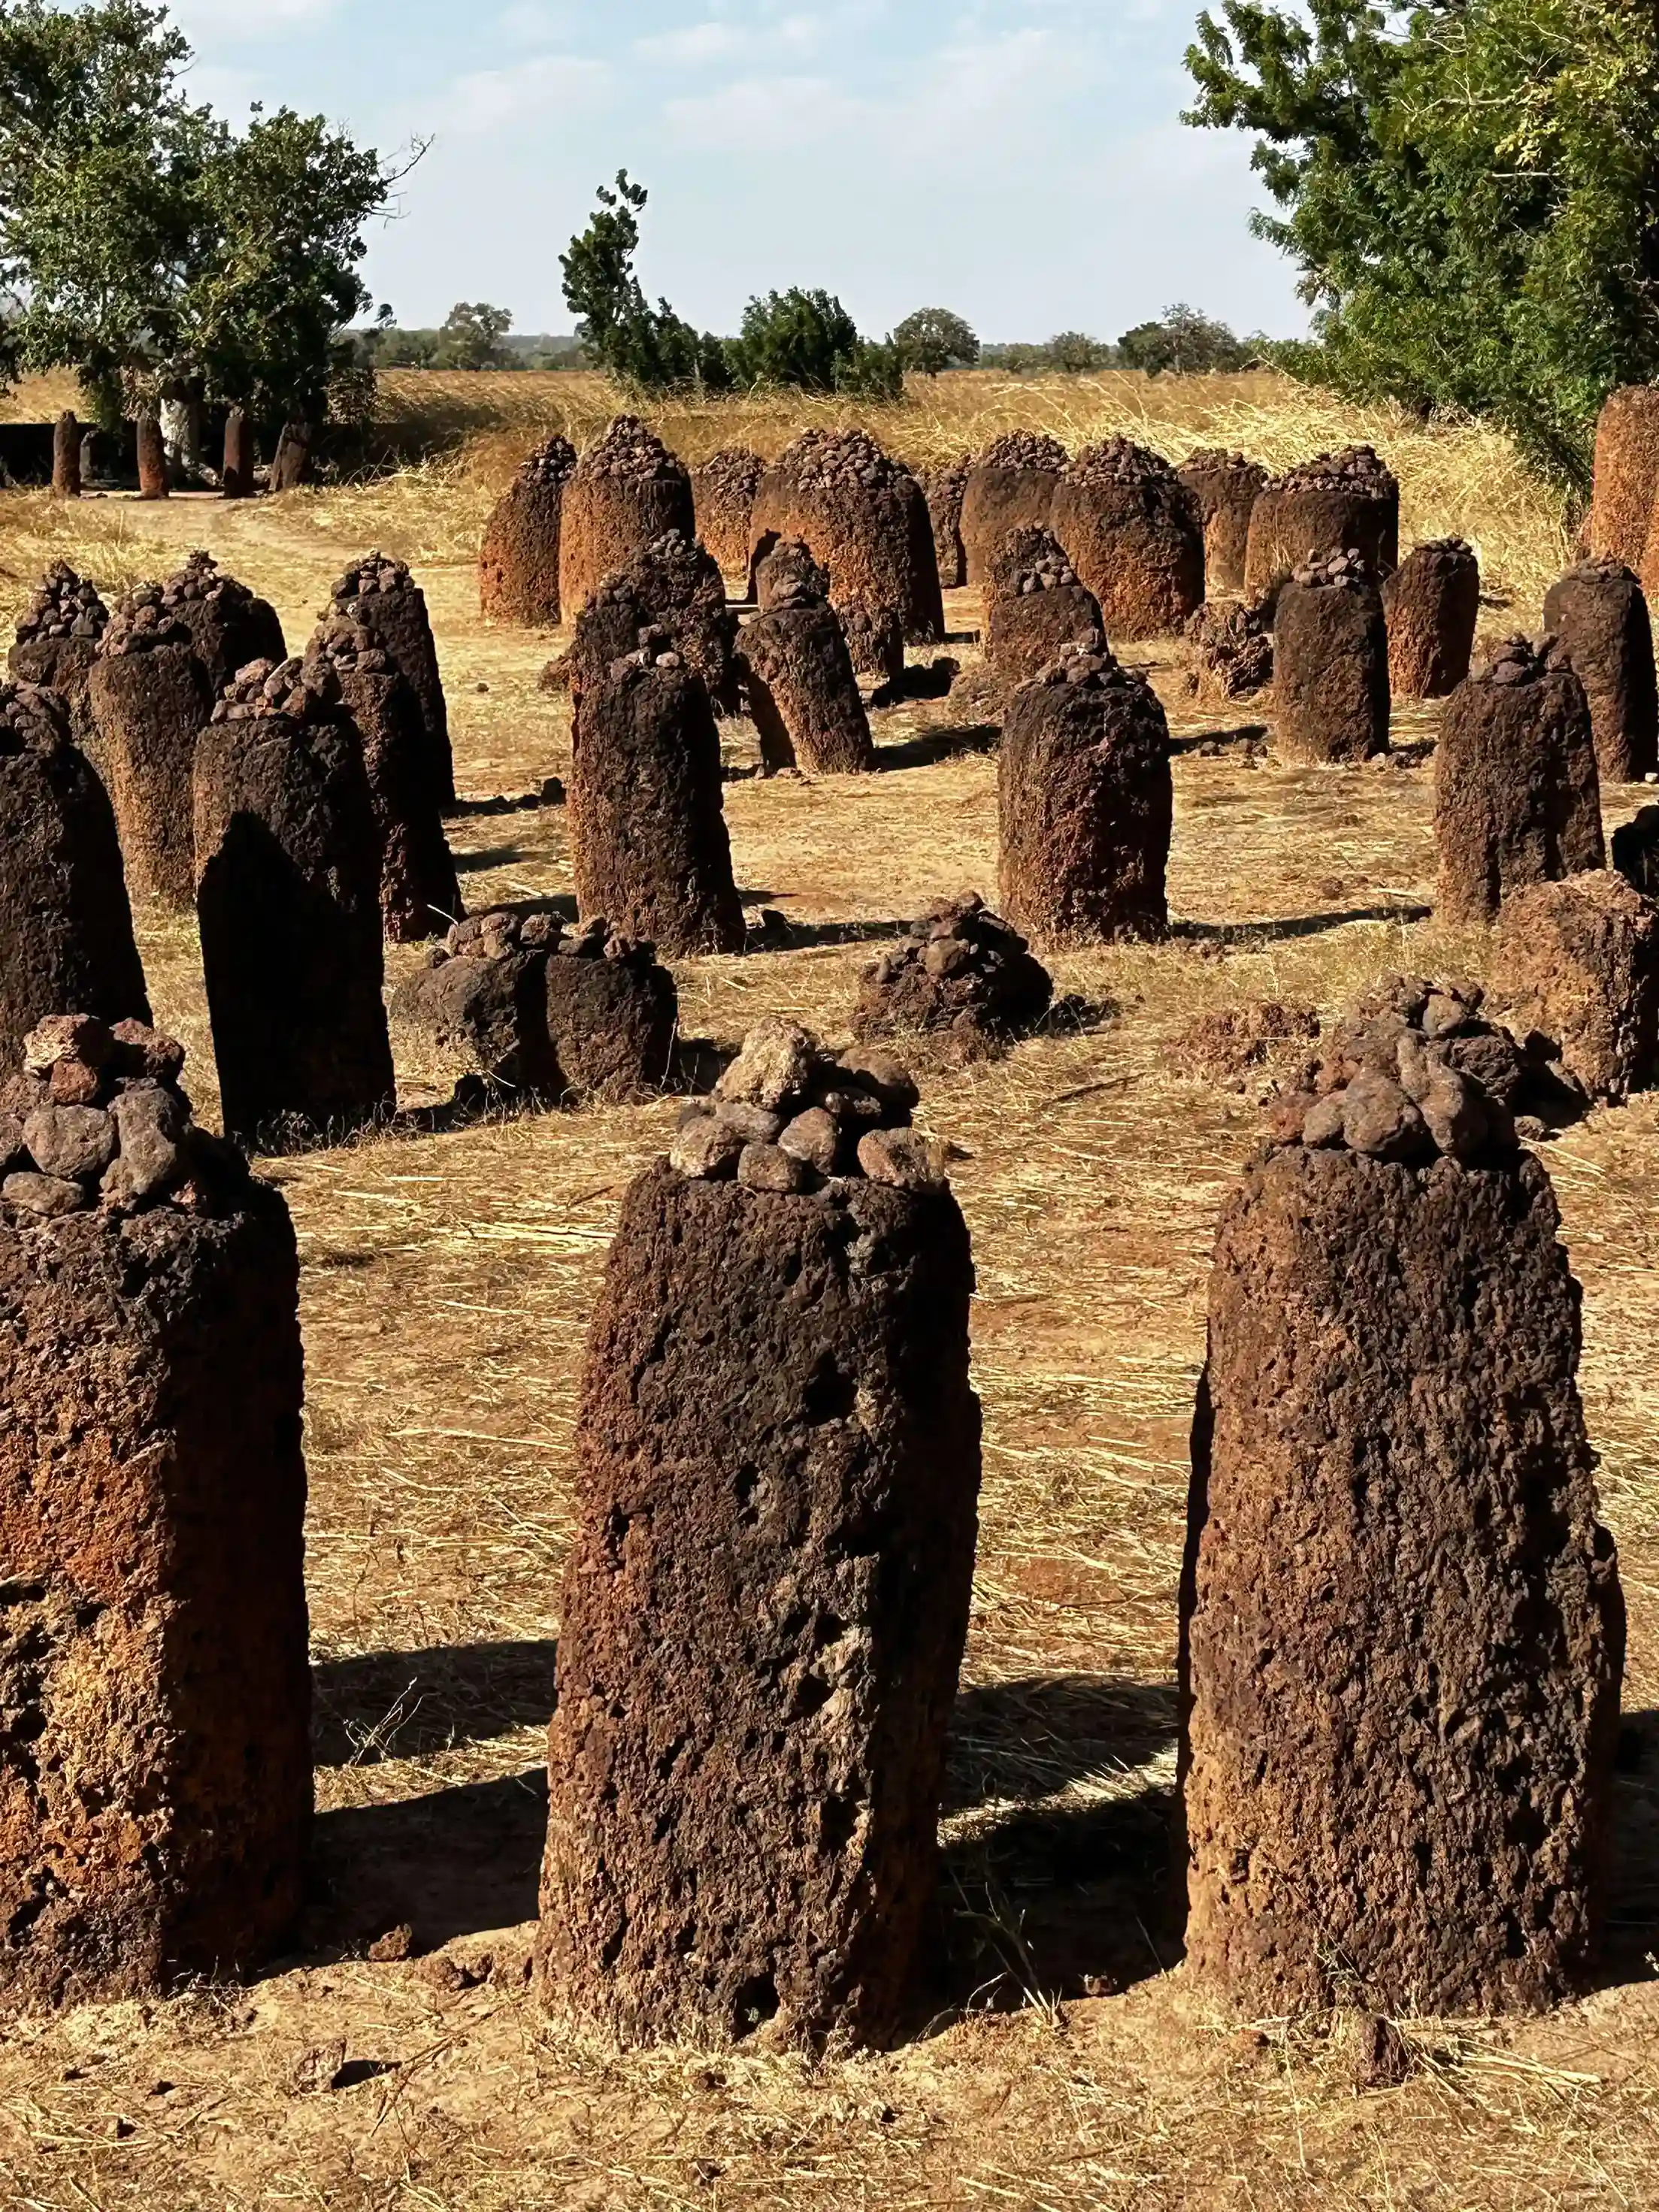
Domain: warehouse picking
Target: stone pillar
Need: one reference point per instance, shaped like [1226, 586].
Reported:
[1626, 475]
[1331, 662]
[229, 626]
[66, 457]
[519, 560]
[1577, 962]
[1598, 611]
[803, 695]
[1348, 499]
[1225, 486]
[625, 491]
[1432, 603]
[290, 466]
[944, 489]
[154, 479]
[723, 489]
[864, 516]
[237, 476]
[1402, 1633]
[150, 698]
[58, 638]
[763, 1614]
[1035, 605]
[381, 594]
[1010, 487]
[155, 1768]
[1130, 529]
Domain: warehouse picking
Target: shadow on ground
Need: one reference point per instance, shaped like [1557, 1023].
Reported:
[407, 1705]
[452, 1864]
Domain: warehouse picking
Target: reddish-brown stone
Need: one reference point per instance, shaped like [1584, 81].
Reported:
[723, 489]
[679, 584]
[1348, 499]
[1577, 962]
[1598, 611]
[962, 970]
[1432, 603]
[65, 926]
[66, 457]
[228, 624]
[1517, 800]
[1225, 486]
[802, 693]
[612, 1015]
[150, 697]
[382, 595]
[944, 489]
[1626, 477]
[288, 901]
[519, 561]
[1035, 605]
[1402, 1633]
[1130, 529]
[1232, 652]
[863, 515]
[290, 465]
[58, 638]
[154, 482]
[764, 1610]
[1084, 803]
[1010, 488]
[240, 457]
[1330, 663]
[624, 494]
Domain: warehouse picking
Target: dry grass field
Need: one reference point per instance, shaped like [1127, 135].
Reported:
[1060, 2062]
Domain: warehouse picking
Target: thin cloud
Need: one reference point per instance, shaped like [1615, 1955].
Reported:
[540, 89]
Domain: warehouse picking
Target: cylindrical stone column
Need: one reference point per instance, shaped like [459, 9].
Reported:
[236, 479]
[1598, 611]
[1432, 604]
[1010, 487]
[1225, 486]
[1577, 962]
[862, 514]
[764, 1610]
[625, 491]
[1035, 605]
[154, 482]
[1402, 1633]
[1331, 662]
[381, 593]
[723, 489]
[150, 698]
[229, 626]
[1348, 499]
[57, 639]
[679, 584]
[155, 1779]
[1626, 475]
[66, 457]
[802, 692]
[944, 489]
[519, 560]
[1130, 529]
[290, 465]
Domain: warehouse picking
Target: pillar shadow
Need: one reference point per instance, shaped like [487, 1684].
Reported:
[929, 747]
[406, 1705]
[1632, 1936]
[1293, 926]
[1030, 1737]
[1247, 733]
[492, 856]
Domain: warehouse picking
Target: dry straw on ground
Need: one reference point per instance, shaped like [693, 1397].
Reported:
[446, 1284]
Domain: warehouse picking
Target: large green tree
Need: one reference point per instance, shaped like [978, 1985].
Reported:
[649, 347]
[1471, 190]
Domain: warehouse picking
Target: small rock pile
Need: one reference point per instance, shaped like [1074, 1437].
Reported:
[1232, 651]
[630, 451]
[788, 1117]
[97, 1118]
[1340, 572]
[349, 648]
[1120, 461]
[1357, 467]
[841, 460]
[63, 605]
[551, 464]
[302, 693]
[1024, 449]
[376, 576]
[1047, 571]
[1132, 529]
[962, 970]
[143, 620]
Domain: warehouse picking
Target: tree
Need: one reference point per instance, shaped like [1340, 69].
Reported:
[639, 344]
[1471, 190]
[1183, 342]
[472, 338]
[1075, 354]
[934, 338]
[803, 339]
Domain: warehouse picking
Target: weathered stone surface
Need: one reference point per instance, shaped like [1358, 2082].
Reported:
[381, 594]
[58, 638]
[863, 515]
[1232, 652]
[802, 694]
[1130, 528]
[1010, 487]
[156, 1763]
[787, 576]
[764, 1610]
[1085, 802]
[648, 843]
[290, 465]
[1432, 603]
[1225, 486]
[66, 457]
[624, 494]
[154, 480]
[228, 625]
[944, 489]
[612, 1015]
[149, 696]
[1035, 605]
[723, 489]
[236, 478]
[1517, 799]
[1598, 612]
[1626, 477]
[679, 584]
[1330, 663]
[1402, 1632]
[1577, 962]
[65, 924]
[1348, 499]
[288, 901]
[519, 560]
[480, 1002]
[962, 970]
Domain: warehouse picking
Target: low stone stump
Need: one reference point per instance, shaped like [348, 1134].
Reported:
[519, 560]
[148, 697]
[66, 457]
[420, 893]
[862, 514]
[1626, 477]
[1517, 799]
[155, 1772]
[381, 594]
[763, 1614]
[1598, 612]
[799, 682]
[612, 1015]
[1010, 486]
[944, 490]
[1086, 801]
[1577, 962]
[648, 842]
[288, 901]
[1130, 529]
[723, 489]
[1035, 605]
[1402, 1633]
[623, 493]
[1232, 654]
[1331, 662]
[65, 924]
[228, 625]
[1348, 499]
[963, 971]
[58, 638]
[1225, 486]
[1432, 603]
[875, 640]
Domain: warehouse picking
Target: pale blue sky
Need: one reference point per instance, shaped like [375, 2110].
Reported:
[1019, 161]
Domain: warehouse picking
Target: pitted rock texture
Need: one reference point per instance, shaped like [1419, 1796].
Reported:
[288, 901]
[1432, 603]
[1131, 530]
[1402, 1632]
[58, 634]
[239, 455]
[1331, 662]
[863, 515]
[962, 970]
[1035, 605]
[945, 488]
[680, 584]
[788, 576]
[1598, 611]
[1576, 964]
[723, 489]
[519, 559]
[1086, 801]
[763, 1615]
[624, 492]
[228, 625]
[1232, 652]
[1517, 799]
[1626, 477]
[148, 696]
[789, 1116]
[1010, 487]
[155, 1762]
[1636, 850]
[1225, 486]
[66, 457]
[1347, 498]
[875, 639]
[802, 692]
[420, 893]
[381, 594]
[65, 923]
[648, 842]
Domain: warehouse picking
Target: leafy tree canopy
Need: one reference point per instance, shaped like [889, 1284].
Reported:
[934, 338]
[649, 347]
[471, 337]
[1183, 343]
[808, 341]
